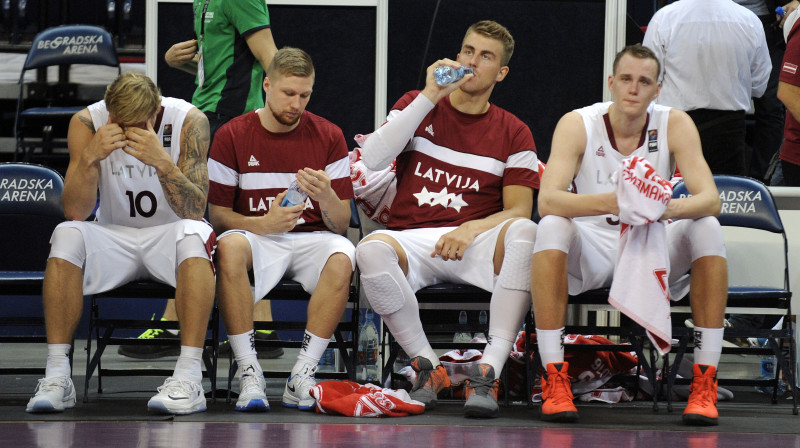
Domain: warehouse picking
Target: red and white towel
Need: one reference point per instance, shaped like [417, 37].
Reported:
[374, 190]
[354, 400]
[640, 287]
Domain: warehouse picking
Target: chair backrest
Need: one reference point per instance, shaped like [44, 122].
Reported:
[30, 208]
[71, 44]
[746, 202]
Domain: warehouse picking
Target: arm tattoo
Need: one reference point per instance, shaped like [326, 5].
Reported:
[186, 189]
[88, 123]
[329, 222]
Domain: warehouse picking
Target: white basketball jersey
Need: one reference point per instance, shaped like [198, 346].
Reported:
[130, 192]
[601, 160]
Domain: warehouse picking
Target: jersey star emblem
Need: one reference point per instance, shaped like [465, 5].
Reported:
[443, 198]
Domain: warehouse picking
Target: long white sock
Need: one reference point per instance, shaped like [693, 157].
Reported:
[551, 345]
[189, 363]
[311, 351]
[707, 345]
[392, 298]
[244, 348]
[57, 360]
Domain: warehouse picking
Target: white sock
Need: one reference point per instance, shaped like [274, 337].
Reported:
[707, 345]
[506, 313]
[189, 362]
[244, 348]
[551, 345]
[496, 353]
[57, 360]
[311, 351]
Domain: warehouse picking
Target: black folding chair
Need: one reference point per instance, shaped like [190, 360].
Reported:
[44, 110]
[30, 208]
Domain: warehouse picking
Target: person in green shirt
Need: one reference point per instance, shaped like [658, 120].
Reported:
[233, 48]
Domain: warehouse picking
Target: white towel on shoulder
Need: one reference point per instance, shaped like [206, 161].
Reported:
[640, 286]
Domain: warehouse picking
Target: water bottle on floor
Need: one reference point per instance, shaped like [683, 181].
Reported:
[328, 361]
[768, 369]
[367, 369]
[462, 337]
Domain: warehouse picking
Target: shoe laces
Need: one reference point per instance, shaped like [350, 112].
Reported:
[482, 385]
[559, 388]
[151, 333]
[173, 384]
[305, 380]
[703, 393]
[51, 384]
[427, 379]
[250, 383]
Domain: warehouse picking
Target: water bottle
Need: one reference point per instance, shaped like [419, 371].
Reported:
[401, 361]
[367, 371]
[328, 361]
[294, 195]
[444, 74]
[768, 369]
[483, 318]
[462, 336]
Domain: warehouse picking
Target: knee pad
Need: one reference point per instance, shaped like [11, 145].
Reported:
[377, 262]
[190, 246]
[67, 243]
[516, 270]
[555, 232]
[705, 237]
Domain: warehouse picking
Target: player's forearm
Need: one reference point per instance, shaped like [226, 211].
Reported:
[335, 214]
[80, 192]
[478, 226]
[570, 205]
[388, 141]
[187, 199]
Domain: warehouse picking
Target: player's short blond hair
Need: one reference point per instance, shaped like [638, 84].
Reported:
[637, 51]
[132, 97]
[493, 30]
[290, 61]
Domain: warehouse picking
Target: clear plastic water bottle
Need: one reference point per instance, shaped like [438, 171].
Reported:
[294, 195]
[462, 336]
[367, 369]
[483, 318]
[444, 74]
[768, 369]
[328, 361]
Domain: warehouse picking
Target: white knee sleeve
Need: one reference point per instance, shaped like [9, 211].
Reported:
[555, 232]
[67, 243]
[190, 246]
[705, 236]
[516, 270]
[381, 276]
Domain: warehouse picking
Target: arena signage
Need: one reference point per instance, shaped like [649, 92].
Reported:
[72, 44]
[24, 190]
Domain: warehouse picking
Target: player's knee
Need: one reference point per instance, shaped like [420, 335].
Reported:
[554, 232]
[705, 237]
[515, 272]
[373, 254]
[67, 246]
[232, 252]
[375, 259]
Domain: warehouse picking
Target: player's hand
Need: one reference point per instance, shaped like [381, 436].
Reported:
[787, 9]
[434, 91]
[317, 183]
[181, 53]
[108, 138]
[281, 219]
[145, 145]
[453, 244]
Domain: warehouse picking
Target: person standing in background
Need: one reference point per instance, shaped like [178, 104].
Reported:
[714, 60]
[769, 112]
[233, 48]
